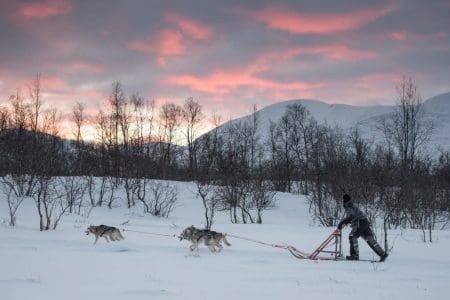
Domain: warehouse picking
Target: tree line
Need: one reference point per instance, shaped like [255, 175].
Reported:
[236, 168]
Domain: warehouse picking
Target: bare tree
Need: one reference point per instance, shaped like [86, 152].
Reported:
[192, 116]
[97, 189]
[36, 102]
[16, 188]
[139, 115]
[301, 125]
[282, 145]
[141, 193]
[74, 190]
[20, 112]
[170, 120]
[263, 197]
[79, 119]
[159, 199]
[407, 127]
[49, 202]
[150, 110]
[116, 105]
[127, 137]
[5, 119]
[206, 191]
[51, 121]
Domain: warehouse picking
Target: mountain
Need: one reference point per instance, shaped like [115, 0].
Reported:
[366, 118]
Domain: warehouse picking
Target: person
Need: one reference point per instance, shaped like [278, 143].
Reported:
[360, 228]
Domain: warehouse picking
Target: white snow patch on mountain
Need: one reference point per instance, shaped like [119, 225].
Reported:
[366, 118]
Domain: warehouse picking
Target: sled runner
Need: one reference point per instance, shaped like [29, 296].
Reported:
[330, 249]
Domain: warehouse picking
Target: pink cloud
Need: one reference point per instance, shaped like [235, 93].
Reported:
[331, 51]
[161, 61]
[168, 43]
[343, 52]
[54, 84]
[281, 18]
[192, 28]
[172, 40]
[275, 60]
[224, 82]
[403, 36]
[80, 67]
[171, 43]
[45, 9]
[399, 35]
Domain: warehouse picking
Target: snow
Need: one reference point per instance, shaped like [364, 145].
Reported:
[64, 264]
[366, 118]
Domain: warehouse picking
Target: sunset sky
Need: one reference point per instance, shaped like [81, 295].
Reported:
[228, 55]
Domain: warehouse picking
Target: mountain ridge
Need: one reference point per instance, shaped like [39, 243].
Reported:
[436, 110]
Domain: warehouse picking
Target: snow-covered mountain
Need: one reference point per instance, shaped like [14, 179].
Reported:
[367, 118]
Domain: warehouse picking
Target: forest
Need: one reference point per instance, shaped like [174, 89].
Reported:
[140, 148]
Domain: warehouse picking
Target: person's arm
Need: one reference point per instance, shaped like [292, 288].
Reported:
[344, 222]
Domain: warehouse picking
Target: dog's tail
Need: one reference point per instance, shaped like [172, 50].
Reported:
[225, 241]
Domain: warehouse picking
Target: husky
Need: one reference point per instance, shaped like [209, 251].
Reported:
[211, 239]
[105, 231]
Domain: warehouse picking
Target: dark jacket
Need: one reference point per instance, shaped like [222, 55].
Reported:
[353, 215]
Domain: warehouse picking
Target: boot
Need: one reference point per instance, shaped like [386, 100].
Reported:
[354, 249]
[352, 257]
[383, 257]
[377, 249]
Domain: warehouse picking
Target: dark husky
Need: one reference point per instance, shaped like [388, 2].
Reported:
[112, 233]
[211, 239]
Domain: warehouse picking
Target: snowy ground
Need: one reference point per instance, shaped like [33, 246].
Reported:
[64, 264]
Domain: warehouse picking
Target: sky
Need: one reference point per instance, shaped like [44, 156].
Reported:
[228, 55]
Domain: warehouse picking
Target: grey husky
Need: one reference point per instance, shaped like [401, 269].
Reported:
[211, 239]
[112, 233]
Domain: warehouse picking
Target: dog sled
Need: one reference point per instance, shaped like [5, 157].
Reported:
[329, 249]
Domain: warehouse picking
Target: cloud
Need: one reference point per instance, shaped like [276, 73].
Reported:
[404, 36]
[178, 34]
[225, 82]
[85, 67]
[228, 54]
[45, 9]
[171, 43]
[54, 84]
[167, 43]
[190, 27]
[284, 19]
[329, 51]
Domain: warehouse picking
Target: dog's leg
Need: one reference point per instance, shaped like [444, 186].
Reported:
[96, 239]
[106, 237]
[196, 246]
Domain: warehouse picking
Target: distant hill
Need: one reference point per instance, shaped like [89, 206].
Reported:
[436, 110]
